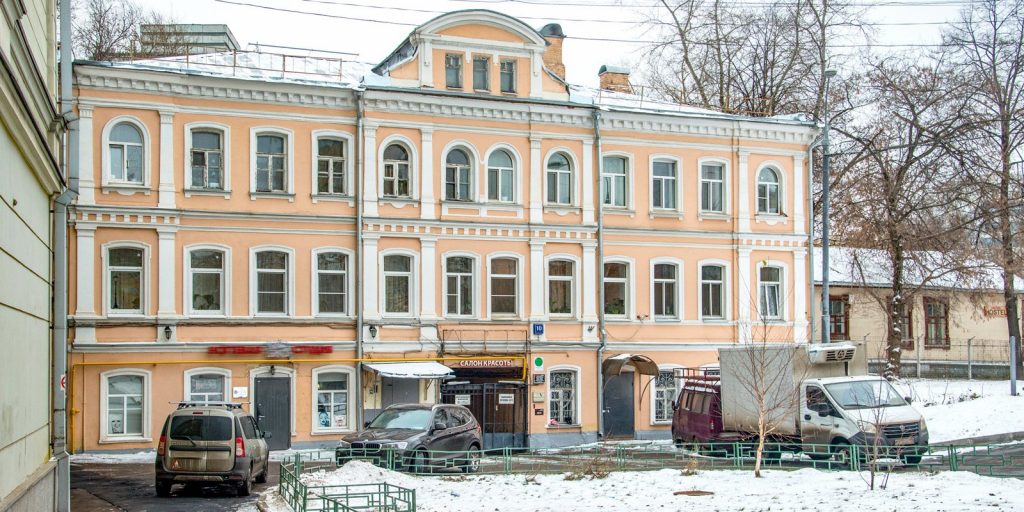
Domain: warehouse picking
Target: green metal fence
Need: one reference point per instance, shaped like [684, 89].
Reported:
[373, 497]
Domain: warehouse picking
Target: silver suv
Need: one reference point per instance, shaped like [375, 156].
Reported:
[210, 443]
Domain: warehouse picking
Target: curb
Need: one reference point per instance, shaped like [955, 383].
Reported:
[261, 503]
[1008, 437]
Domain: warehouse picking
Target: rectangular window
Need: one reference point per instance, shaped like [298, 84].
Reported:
[459, 280]
[207, 267]
[504, 288]
[563, 398]
[839, 317]
[508, 76]
[663, 187]
[397, 284]
[712, 188]
[270, 164]
[207, 160]
[330, 167]
[125, 277]
[936, 322]
[613, 181]
[481, 74]
[560, 285]
[665, 287]
[206, 387]
[664, 395]
[453, 71]
[332, 400]
[712, 291]
[125, 405]
[616, 282]
[272, 282]
[332, 283]
[771, 292]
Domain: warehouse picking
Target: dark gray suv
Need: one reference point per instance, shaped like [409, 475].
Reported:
[420, 437]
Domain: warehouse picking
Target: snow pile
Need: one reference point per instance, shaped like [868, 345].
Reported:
[143, 457]
[806, 489]
[963, 409]
[359, 472]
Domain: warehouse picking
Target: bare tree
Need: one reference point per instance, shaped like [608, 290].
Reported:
[111, 30]
[988, 44]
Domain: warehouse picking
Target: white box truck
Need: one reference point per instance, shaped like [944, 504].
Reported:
[818, 399]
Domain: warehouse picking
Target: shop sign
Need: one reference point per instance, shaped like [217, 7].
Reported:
[506, 398]
[462, 400]
[994, 311]
[538, 364]
[487, 363]
[272, 350]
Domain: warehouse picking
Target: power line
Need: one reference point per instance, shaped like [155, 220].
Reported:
[747, 3]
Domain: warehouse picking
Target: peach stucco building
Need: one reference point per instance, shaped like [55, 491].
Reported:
[325, 241]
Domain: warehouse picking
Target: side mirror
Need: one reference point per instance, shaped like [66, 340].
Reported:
[439, 426]
[675, 406]
[366, 423]
[908, 399]
[266, 435]
[824, 412]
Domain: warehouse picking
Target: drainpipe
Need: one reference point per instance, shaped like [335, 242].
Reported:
[69, 165]
[810, 236]
[359, 258]
[600, 278]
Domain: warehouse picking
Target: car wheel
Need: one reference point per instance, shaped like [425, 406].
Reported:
[472, 464]
[844, 454]
[245, 488]
[163, 489]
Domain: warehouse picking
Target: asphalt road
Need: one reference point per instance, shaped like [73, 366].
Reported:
[129, 487]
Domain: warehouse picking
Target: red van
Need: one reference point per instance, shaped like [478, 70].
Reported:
[697, 411]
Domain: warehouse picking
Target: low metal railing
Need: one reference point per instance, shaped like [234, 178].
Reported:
[371, 497]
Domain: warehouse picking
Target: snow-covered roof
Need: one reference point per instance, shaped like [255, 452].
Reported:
[411, 370]
[934, 269]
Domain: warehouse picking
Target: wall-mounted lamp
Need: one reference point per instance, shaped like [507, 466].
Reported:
[167, 333]
[272, 369]
[373, 331]
[590, 328]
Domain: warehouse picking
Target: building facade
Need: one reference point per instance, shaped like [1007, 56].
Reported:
[29, 180]
[323, 242]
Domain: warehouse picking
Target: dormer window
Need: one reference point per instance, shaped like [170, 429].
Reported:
[453, 71]
[508, 76]
[481, 74]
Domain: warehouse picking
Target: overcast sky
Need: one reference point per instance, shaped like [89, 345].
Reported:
[614, 19]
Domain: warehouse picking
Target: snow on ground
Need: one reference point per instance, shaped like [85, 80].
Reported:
[145, 456]
[962, 409]
[805, 489]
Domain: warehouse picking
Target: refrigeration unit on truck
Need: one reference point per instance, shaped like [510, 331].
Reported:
[819, 399]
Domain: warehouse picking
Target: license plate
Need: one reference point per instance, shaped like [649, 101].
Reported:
[904, 441]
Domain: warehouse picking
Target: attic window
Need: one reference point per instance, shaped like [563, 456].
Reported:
[453, 71]
[481, 74]
[508, 76]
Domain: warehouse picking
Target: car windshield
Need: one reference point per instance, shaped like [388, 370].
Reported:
[418, 419]
[864, 394]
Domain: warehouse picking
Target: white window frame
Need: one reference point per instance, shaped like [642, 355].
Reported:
[289, 147]
[678, 162]
[726, 184]
[672, 368]
[517, 165]
[629, 183]
[515, 75]
[576, 395]
[144, 294]
[410, 149]
[315, 282]
[460, 58]
[573, 284]
[289, 281]
[147, 378]
[413, 283]
[351, 410]
[678, 263]
[206, 370]
[225, 148]
[783, 302]
[519, 285]
[630, 313]
[474, 171]
[348, 141]
[574, 167]
[726, 291]
[147, 156]
[475, 289]
[777, 167]
[225, 281]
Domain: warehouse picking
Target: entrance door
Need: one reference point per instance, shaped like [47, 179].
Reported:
[618, 406]
[273, 411]
[399, 391]
[499, 408]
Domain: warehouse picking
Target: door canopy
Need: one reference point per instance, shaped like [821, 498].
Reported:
[614, 365]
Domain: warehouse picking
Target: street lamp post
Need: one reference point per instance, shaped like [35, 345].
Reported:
[825, 313]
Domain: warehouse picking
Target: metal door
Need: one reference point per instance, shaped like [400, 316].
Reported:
[619, 410]
[500, 409]
[273, 411]
[399, 391]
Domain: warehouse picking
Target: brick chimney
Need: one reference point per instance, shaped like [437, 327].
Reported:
[615, 78]
[553, 54]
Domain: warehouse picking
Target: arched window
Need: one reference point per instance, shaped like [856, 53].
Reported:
[124, 405]
[206, 269]
[768, 192]
[206, 385]
[126, 154]
[459, 286]
[559, 179]
[207, 154]
[125, 278]
[332, 407]
[396, 171]
[457, 185]
[271, 163]
[501, 177]
[330, 166]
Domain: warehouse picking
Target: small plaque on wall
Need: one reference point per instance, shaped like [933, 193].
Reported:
[538, 378]
[538, 412]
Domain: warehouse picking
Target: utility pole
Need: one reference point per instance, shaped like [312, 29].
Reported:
[825, 179]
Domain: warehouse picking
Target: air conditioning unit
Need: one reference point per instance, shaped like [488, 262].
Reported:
[835, 353]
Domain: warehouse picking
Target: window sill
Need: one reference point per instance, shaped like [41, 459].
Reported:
[333, 316]
[713, 321]
[504, 317]
[200, 314]
[562, 211]
[666, 320]
[619, 319]
[115, 440]
[663, 423]
[713, 216]
[126, 189]
[459, 203]
[771, 219]
[616, 210]
[668, 214]
[564, 427]
[271, 195]
[189, 192]
[400, 202]
[271, 315]
[128, 314]
[333, 198]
